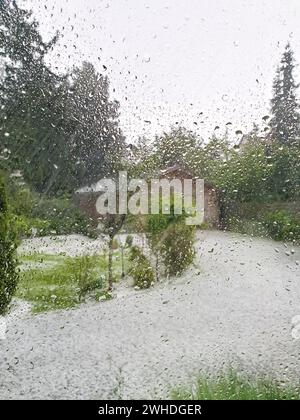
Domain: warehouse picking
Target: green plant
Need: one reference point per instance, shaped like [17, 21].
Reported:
[234, 386]
[62, 217]
[282, 226]
[129, 241]
[61, 282]
[104, 295]
[177, 248]
[141, 269]
[171, 241]
[8, 263]
[82, 272]
[25, 227]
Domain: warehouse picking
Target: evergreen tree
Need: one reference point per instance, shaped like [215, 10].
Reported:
[30, 116]
[8, 273]
[284, 105]
[95, 141]
[60, 131]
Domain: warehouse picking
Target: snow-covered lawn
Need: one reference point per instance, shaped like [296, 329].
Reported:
[235, 306]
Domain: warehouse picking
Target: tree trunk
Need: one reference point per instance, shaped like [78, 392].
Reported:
[157, 267]
[122, 255]
[110, 255]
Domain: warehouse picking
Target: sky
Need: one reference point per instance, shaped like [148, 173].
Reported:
[197, 63]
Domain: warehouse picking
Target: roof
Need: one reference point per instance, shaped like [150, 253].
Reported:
[96, 187]
[174, 168]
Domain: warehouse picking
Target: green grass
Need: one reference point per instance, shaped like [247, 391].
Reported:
[51, 282]
[232, 386]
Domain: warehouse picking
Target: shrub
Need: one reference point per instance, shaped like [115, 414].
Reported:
[158, 229]
[82, 272]
[21, 200]
[25, 227]
[45, 215]
[282, 226]
[8, 264]
[63, 217]
[177, 248]
[141, 269]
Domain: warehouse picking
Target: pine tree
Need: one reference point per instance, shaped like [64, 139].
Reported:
[284, 105]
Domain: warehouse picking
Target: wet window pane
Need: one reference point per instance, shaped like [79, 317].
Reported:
[149, 199]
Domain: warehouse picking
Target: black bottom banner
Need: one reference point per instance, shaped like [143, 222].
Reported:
[139, 408]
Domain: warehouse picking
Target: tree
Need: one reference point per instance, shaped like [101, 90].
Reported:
[61, 130]
[8, 273]
[284, 105]
[95, 141]
[178, 146]
[31, 117]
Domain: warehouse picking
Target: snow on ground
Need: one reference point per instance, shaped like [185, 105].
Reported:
[235, 306]
[70, 245]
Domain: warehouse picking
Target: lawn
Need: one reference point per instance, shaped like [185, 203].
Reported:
[52, 282]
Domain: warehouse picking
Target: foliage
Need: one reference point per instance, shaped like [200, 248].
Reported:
[171, 241]
[61, 131]
[26, 227]
[129, 241]
[177, 146]
[82, 272]
[60, 282]
[284, 179]
[244, 176]
[62, 217]
[141, 269]
[282, 226]
[97, 143]
[285, 108]
[177, 248]
[234, 386]
[31, 213]
[8, 264]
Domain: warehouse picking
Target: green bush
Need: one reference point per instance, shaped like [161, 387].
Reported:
[171, 241]
[8, 263]
[250, 227]
[21, 200]
[282, 226]
[44, 215]
[141, 269]
[26, 227]
[63, 217]
[82, 272]
[177, 248]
